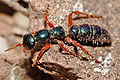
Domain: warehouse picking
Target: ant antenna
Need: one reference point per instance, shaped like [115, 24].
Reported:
[13, 47]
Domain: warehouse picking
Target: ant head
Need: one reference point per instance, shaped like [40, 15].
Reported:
[28, 41]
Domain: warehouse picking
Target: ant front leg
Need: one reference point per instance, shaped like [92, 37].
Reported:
[40, 54]
[70, 23]
[69, 40]
[46, 19]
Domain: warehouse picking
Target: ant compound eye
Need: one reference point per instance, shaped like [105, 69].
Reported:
[28, 41]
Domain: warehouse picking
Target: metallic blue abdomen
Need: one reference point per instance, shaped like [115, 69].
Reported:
[84, 31]
[92, 35]
[96, 32]
[74, 30]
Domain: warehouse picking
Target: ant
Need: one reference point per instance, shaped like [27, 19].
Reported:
[79, 35]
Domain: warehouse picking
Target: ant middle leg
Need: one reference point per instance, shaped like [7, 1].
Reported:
[64, 48]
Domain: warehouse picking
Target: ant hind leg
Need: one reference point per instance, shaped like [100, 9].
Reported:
[69, 40]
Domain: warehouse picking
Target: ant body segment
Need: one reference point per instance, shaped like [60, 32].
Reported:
[84, 34]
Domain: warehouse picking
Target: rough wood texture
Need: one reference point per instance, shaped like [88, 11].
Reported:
[66, 66]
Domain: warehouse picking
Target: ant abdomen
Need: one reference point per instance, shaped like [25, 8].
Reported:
[92, 35]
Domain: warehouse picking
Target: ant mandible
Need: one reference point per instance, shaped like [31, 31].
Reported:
[85, 34]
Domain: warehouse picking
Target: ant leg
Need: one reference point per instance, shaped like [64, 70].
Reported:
[69, 40]
[13, 47]
[46, 19]
[40, 54]
[62, 45]
[78, 13]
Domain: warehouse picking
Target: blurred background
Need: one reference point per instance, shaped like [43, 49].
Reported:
[14, 23]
